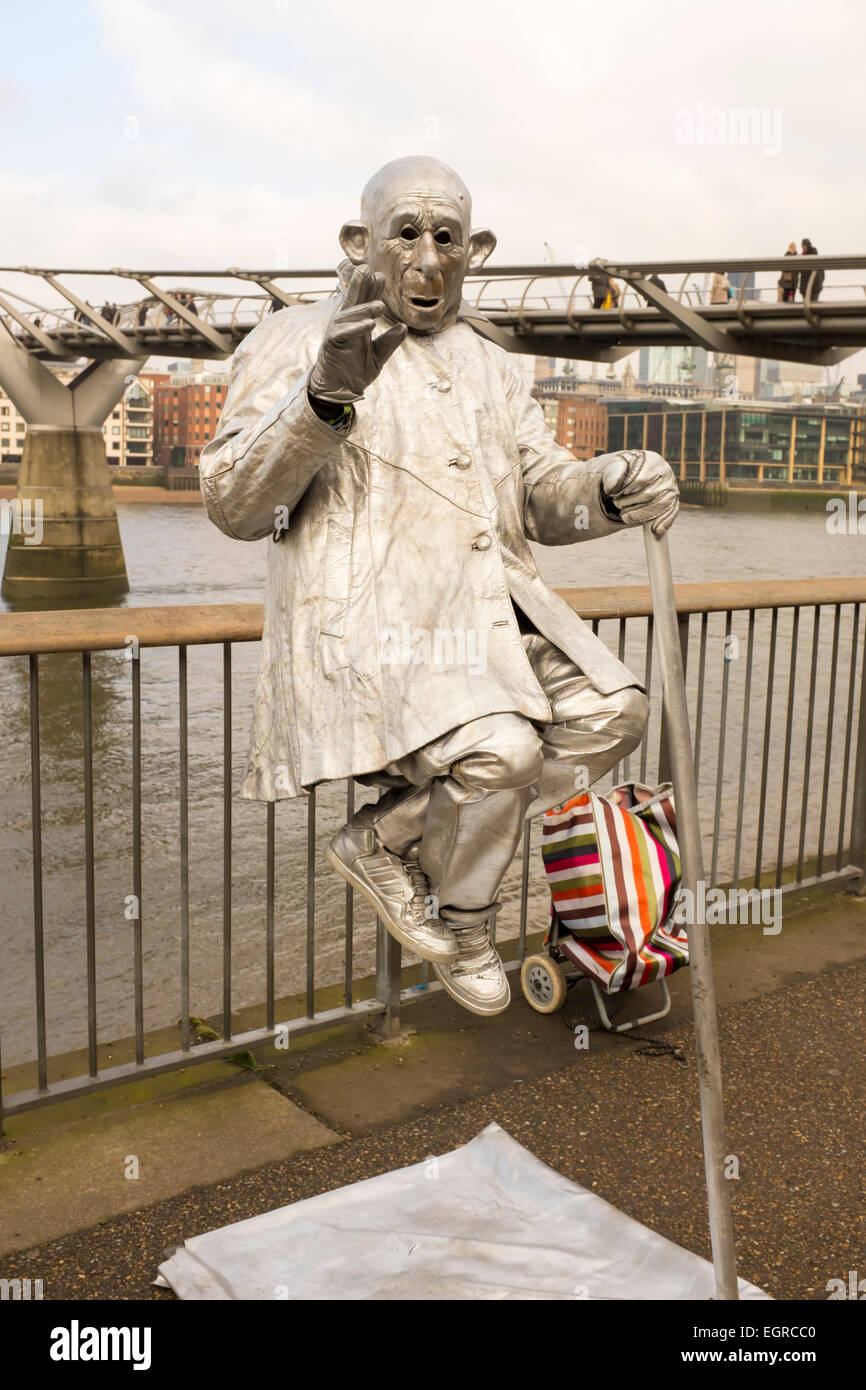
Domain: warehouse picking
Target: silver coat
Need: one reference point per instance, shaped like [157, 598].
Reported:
[388, 614]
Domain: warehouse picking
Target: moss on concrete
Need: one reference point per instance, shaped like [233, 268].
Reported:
[114, 1099]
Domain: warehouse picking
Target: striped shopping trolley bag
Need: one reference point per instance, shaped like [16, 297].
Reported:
[613, 870]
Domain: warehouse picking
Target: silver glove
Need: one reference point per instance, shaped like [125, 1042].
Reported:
[350, 357]
[643, 488]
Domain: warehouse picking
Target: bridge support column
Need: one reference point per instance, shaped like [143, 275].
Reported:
[64, 540]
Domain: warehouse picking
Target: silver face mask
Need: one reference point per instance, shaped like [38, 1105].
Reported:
[414, 230]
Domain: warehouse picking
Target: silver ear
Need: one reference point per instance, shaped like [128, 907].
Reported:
[355, 241]
[481, 244]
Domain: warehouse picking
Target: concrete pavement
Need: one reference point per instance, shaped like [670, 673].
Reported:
[614, 1116]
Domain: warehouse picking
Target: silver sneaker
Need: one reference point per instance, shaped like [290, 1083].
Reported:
[477, 980]
[397, 889]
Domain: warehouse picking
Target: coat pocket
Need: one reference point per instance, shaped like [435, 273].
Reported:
[336, 574]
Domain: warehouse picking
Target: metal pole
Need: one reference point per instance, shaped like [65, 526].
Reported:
[311, 903]
[679, 749]
[524, 890]
[858, 810]
[227, 841]
[38, 934]
[270, 882]
[389, 960]
[89, 887]
[849, 726]
[183, 725]
[664, 763]
[137, 938]
[348, 982]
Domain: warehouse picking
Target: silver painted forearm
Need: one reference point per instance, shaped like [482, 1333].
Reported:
[247, 474]
[564, 500]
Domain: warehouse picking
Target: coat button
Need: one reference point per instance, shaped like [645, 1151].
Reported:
[482, 542]
[461, 461]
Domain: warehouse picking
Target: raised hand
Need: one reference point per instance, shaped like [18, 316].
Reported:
[350, 357]
[643, 488]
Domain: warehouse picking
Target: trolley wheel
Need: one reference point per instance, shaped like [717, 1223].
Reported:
[543, 983]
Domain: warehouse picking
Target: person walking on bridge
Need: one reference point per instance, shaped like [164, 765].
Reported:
[806, 275]
[720, 289]
[659, 283]
[788, 278]
[604, 291]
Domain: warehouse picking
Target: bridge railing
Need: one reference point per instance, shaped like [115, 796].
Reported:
[525, 298]
[568, 296]
[239, 314]
[140, 894]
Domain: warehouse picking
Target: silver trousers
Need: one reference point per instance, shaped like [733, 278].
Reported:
[465, 796]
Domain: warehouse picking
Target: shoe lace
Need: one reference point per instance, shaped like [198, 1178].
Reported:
[475, 946]
[417, 877]
[420, 889]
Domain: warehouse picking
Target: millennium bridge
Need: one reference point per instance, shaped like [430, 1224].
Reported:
[544, 310]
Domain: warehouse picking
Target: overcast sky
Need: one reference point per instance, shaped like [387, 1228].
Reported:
[210, 132]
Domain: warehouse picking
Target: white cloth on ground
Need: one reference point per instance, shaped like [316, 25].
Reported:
[486, 1221]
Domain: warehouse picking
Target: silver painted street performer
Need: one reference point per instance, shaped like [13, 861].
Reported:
[401, 468]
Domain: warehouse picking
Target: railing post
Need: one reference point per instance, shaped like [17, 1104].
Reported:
[857, 856]
[388, 980]
[664, 772]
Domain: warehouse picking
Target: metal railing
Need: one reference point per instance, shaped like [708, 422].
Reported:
[546, 309]
[239, 314]
[777, 694]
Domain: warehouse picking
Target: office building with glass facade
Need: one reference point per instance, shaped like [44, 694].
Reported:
[745, 441]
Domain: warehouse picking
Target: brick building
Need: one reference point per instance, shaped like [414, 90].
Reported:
[186, 410]
[579, 422]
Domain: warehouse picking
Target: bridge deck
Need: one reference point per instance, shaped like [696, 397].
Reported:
[545, 310]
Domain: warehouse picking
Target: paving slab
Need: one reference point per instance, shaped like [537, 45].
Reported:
[446, 1055]
[622, 1122]
[113, 1152]
[618, 1116]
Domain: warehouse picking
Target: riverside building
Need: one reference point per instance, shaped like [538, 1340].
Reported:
[745, 441]
[128, 431]
[187, 408]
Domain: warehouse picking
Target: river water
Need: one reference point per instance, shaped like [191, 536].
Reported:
[175, 556]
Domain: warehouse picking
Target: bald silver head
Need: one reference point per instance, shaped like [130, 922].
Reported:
[417, 175]
[415, 228]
